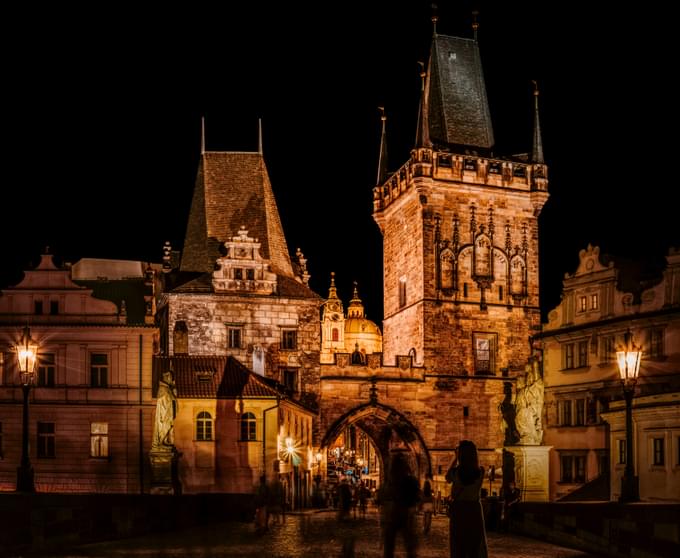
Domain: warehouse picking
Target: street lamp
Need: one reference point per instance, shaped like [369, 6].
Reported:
[27, 352]
[628, 359]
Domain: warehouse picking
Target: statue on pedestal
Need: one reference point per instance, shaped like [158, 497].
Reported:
[166, 410]
[528, 403]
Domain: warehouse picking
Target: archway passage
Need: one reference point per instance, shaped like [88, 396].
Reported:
[384, 431]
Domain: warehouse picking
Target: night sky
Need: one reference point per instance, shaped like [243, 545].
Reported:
[101, 124]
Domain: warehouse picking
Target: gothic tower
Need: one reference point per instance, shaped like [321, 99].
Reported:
[460, 231]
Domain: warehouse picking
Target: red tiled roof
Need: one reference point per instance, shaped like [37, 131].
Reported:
[212, 377]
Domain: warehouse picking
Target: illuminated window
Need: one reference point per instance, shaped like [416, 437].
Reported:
[583, 304]
[46, 440]
[289, 339]
[99, 370]
[248, 427]
[99, 439]
[659, 457]
[46, 369]
[594, 303]
[204, 426]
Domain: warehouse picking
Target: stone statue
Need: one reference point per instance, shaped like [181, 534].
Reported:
[166, 410]
[528, 403]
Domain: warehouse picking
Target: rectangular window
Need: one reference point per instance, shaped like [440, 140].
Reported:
[46, 439]
[659, 458]
[580, 414]
[568, 355]
[99, 439]
[583, 353]
[594, 302]
[204, 426]
[234, 337]
[38, 307]
[54, 307]
[99, 370]
[402, 292]
[565, 412]
[290, 379]
[608, 348]
[46, 369]
[238, 273]
[622, 452]
[583, 303]
[483, 347]
[567, 466]
[579, 468]
[250, 274]
[656, 343]
[289, 339]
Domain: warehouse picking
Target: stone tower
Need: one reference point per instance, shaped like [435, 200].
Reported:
[460, 231]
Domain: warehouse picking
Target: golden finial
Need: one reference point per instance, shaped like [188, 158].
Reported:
[434, 18]
[535, 87]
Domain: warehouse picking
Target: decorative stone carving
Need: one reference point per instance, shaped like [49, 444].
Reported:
[529, 405]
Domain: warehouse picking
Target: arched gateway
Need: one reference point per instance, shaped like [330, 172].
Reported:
[388, 431]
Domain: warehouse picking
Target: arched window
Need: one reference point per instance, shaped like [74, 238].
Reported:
[335, 334]
[248, 427]
[204, 426]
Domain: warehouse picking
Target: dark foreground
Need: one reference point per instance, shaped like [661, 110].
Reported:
[316, 534]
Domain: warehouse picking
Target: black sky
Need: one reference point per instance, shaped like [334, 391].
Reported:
[101, 123]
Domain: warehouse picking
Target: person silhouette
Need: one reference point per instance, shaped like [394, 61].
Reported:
[467, 532]
[401, 497]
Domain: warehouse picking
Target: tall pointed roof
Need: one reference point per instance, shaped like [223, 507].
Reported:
[233, 190]
[537, 146]
[382, 159]
[455, 95]
[423, 127]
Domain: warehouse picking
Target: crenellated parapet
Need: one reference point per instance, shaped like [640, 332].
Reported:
[346, 365]
[466, 169]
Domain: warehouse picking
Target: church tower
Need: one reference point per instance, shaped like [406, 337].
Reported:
[460, 230]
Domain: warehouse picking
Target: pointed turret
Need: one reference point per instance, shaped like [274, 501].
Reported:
[233, 190]
[382, 159]
[456, 106]
[332, 291]
[356, 306]
[537, 147]
[422, 131]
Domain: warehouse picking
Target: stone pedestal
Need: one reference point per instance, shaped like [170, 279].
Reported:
[532, 473]
[164, 477]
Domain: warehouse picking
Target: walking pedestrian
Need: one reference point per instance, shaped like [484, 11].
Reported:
[467, 533]
[401, 498]
[427, 504]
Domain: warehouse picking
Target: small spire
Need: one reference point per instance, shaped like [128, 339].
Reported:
[475, 24]
[356, 307]
[332, 291]
[202, 135]
[537, 148]
[259, 141]
[434, 19]
[355, 294]
[382, 160]
[422, 128]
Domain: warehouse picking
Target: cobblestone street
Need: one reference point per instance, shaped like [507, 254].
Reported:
[307, 535]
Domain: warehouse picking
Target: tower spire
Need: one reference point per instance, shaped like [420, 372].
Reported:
[259, 136]
[537, 147]
[202, 135]
[422, 129]
[332, 291]
[382, 160]
[434, 19]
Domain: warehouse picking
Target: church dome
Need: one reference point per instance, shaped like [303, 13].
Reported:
[363, 334]
[361, 326]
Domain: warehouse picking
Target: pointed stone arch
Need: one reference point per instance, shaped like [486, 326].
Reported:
[386, 427]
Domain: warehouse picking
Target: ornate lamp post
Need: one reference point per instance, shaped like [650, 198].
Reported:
[628, 358]
[27, 352]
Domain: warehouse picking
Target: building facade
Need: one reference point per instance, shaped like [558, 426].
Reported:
[583, 392]
[90, 406]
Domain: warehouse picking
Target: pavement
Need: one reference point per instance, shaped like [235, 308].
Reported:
[316, 534]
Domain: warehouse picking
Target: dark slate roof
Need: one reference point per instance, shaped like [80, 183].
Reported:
[132, 291]
[214, 377]
[233, 190]
[287, 287]
[458, 110]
